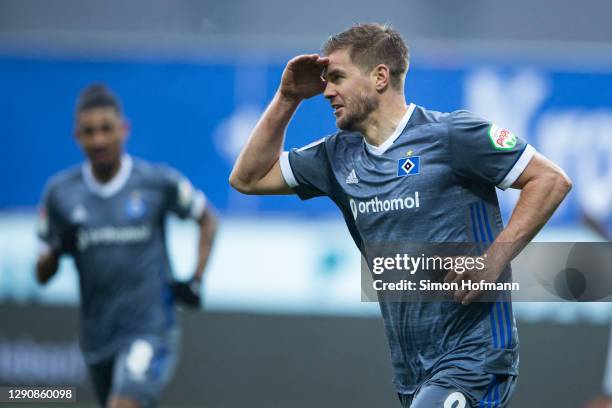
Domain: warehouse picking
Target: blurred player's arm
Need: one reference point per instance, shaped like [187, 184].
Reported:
[54, 238]
[189, 292]
[208, 223]
[188, 202]
[46, 266]
[257, 169]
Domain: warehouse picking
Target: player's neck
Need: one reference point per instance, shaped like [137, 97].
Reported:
[381, 123]
[104, 174]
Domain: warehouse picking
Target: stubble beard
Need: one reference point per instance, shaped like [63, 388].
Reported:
[361, 107]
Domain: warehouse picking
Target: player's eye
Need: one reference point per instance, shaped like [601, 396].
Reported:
[88, 130]
[107, 128]
[92, 130]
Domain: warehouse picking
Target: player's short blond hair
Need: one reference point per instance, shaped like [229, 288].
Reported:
[370, 44]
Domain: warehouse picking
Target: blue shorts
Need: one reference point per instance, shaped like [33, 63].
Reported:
[460, 388]
[140, 370]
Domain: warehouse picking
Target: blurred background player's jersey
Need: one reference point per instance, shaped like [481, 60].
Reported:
[432, 181]
[116, 235]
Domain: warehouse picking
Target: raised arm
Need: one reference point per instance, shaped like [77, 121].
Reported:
[257, 170]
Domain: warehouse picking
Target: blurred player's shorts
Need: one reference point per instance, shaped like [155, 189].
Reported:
[140, 370]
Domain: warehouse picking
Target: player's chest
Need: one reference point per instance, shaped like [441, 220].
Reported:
[409, 181]
[134, 206]
[400, 172]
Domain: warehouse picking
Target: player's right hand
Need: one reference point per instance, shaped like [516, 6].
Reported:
[187, 293]
[302, 77]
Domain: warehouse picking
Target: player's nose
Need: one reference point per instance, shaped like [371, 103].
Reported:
[330, 90]
[99, 140]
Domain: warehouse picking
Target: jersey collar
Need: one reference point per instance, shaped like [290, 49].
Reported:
[378, 150]
[112, 186]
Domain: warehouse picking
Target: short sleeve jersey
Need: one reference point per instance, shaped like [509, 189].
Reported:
[432, 181]
[116, 234]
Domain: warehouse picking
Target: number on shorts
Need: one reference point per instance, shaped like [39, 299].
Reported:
[455, 400]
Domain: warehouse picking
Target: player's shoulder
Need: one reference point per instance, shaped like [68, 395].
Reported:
[154, 173]
[64, 179]
[344, 140]
[333, 142]
[458, 123]
[424, 116]
[149, 169]
[462, 118]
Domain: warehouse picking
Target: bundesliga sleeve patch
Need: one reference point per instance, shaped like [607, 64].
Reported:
[502, 139]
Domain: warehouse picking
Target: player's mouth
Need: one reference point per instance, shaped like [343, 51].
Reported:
[101, 155]
[337, 109]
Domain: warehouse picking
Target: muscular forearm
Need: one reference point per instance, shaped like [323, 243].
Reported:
[539, 199]
[265, 143]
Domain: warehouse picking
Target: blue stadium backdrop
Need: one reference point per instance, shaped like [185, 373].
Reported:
[197, 115]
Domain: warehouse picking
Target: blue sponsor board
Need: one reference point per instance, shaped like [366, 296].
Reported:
[196, 116]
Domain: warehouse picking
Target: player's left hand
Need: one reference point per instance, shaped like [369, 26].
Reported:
[489, 274]
[188, 293]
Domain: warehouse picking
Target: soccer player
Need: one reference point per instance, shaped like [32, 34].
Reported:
[109, 215]
[401, 173]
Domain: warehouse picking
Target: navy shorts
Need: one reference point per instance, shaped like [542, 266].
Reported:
[460, 388]
[140, 370]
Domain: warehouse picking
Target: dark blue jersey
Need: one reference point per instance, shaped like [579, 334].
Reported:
[432, 181]
[116, 234]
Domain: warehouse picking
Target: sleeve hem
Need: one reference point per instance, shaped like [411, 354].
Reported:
[286, 170]
[198, 206]
[518, 167]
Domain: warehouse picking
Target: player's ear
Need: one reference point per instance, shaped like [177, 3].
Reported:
[126, 127]
[75, 132]
[381, 76]
[76, 126]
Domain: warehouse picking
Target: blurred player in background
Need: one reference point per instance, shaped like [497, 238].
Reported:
[109, 214]
[599, 219]
[443, 169]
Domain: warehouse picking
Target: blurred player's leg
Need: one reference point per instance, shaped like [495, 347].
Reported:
[143, 369]
[123, 402]
[101, 376]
